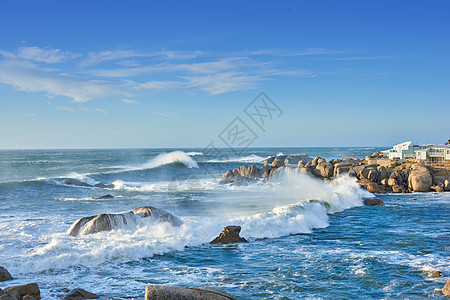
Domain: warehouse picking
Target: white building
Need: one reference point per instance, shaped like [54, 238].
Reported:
[403, 150]
[428, 154]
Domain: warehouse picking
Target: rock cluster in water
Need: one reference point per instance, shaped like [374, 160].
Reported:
[107, 222]
[375, 178]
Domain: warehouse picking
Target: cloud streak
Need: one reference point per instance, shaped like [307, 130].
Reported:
[128, 74]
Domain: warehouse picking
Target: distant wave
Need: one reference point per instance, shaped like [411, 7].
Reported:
[194, 153]
[246, 159]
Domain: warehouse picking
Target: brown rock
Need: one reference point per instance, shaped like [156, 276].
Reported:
[437, 274]
[159, 292]
[19, 291]
[229, 235]
[420, 179]
[372, 187]
[264, 171]
[28, 297]
[4, 275]
[254, 172]
[277, 163]
[373, 202]
[326, 169]
[446, 289]
[398, 189]
[437, 188]
[385, 182]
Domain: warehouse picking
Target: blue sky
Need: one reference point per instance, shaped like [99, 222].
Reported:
[93, 74]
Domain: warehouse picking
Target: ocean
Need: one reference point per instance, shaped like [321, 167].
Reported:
[307, 239]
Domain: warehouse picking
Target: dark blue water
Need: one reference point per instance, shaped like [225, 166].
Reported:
[308, 239]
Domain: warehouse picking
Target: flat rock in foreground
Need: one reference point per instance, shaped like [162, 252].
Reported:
[159, 292]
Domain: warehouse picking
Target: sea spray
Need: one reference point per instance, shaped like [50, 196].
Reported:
[291, 204]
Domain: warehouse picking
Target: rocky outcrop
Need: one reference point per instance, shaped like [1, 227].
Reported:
[374, 178]
[420, 179]
[4, 275]
[76, 182]
[159, 292]
[229, 235]
[107, 222]
[373, 202]
[20, 291]
[79, 294]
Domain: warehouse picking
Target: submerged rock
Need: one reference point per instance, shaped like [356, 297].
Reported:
[104, 197]
[78, 293]
[77, 182]
[373, 202]
[159, 292]
[437, 274]
[107, 222]
[229, 235]
[19, 291]
[4, 275]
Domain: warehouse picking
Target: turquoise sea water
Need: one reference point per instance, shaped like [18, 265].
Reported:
[308, 239]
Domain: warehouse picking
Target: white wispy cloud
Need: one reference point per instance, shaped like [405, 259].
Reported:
[28, 77]
[36, 54]
[123, 55]
[165, 115]
[129, 101]
[101, 110]
[132, 73]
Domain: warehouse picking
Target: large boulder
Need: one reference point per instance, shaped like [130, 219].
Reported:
[420, 179]
[159, 292]
[4, 275]
[107, 222]
[446, 289]
[269, 160]
[229, 235]
[277, 163]
[326, 169]
[19, 291]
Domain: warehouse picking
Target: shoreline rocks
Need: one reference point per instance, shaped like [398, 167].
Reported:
[375, 178]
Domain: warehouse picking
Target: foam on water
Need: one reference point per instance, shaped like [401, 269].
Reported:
[246, 159]
[295, 204]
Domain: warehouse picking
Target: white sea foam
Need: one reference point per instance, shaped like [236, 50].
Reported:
[246, 159]
[295, 204]
[194, 153]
